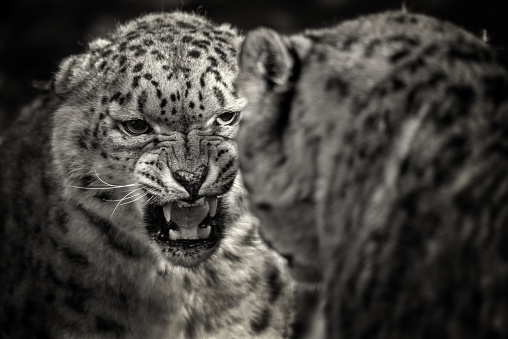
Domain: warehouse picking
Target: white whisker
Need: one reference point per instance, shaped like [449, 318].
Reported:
[137, 189]
[150, 200]
[95, 188]
[97, 175]
[138, 197]
[119, 203]
[109, 186]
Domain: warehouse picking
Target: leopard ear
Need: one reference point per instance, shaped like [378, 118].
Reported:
[269, 55]
[76, 69]
[264, 55]
[72, 72]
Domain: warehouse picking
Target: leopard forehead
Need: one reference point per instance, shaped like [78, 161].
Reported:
[167, 66]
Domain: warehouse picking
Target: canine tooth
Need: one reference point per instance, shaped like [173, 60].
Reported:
[212, 205]
[167, 211]
[204, 233]
[174, 235]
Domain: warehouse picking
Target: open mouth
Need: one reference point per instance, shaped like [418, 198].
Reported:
[188, 232]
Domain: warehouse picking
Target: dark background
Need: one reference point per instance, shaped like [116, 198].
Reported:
[36, 34]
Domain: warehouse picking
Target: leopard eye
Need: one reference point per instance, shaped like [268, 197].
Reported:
[136, 127]
[228, 118]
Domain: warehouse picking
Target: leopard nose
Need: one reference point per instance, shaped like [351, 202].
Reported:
[191, 180]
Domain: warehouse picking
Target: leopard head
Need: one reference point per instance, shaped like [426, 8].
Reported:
[145, 133]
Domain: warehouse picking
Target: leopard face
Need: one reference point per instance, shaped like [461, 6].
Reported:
[145, 134]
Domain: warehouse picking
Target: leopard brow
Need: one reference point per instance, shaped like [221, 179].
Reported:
[236, 106]
[125, 115]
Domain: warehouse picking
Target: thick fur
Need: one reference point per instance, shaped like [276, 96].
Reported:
[376, 156]
[76, 258]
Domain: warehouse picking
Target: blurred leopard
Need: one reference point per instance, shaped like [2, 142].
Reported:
[376, 157]
[122, 209]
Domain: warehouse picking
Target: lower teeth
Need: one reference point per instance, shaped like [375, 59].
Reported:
[204, 233]
[174, 235]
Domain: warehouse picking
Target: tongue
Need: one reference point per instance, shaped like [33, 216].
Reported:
[188, 219]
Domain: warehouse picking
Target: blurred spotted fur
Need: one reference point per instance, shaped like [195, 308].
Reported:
[79, 258]
[376, 156]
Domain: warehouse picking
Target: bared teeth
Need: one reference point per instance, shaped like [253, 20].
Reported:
[167, 211]
[174, 235]
[212, 205]
[204, 233]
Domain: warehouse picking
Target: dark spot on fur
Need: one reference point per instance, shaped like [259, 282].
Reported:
[231, 256]
[187, 283]
[219, 96]
[349, 42]
[116, 97]
[142, 99]
[87, 180]
[194, 54]
[337, 84]
[186, 39]
[221, 54]
[135, 81]
[248, 239]
[213, 61]
[122, 60]
[369, 50]
[397, 84]
[399, 55]
[211, 276]
[137, 68]
[274, 284]
[75, 256]
[264, 207]
[261, 321]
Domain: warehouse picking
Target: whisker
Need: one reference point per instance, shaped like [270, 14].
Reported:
[96, 188]
[118, 204]
[108, 184]
[97, 175]
[138, 197]
[137, 189]
[132, 198]
[150, 200]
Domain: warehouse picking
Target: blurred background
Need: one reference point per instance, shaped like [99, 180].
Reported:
[36, 34]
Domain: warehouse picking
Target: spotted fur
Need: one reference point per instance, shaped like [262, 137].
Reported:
[77, 257]
[376, 156]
